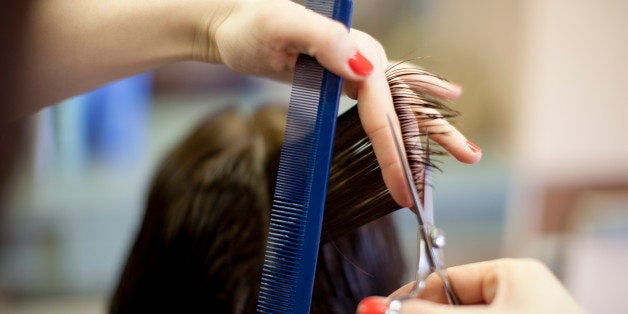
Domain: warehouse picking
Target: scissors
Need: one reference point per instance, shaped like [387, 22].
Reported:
[431, 240]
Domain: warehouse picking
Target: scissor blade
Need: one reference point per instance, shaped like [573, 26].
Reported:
[406, 169]
[428, 196]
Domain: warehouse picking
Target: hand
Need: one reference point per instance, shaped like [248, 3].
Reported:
[265, 37]
[500, 286]
[70, 48]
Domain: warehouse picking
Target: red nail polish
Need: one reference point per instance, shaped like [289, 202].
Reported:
[372, 305]
[473, 147]
[360, 65]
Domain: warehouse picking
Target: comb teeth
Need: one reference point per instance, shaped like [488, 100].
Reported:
[297, 209]
[323, 7]
[282, 271]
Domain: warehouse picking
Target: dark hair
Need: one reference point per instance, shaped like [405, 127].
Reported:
[201, 244]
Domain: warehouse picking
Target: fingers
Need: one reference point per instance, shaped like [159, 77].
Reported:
[329, 42]
[424, 81]
[474, 284]
[525, 285]
[420, 306]
[467, 282]
[375, 102]
[404, 290]
[406, 79]
[265, 37]
[479, 283]
[279, 30]
[451, 139]
[380, 305]
[374, 105]
[364, 67]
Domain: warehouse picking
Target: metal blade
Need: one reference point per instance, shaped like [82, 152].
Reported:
[428, 187]
[407, 172]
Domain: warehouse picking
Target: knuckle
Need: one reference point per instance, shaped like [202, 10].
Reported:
[367, 40]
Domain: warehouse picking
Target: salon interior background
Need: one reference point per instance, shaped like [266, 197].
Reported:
[544, 97]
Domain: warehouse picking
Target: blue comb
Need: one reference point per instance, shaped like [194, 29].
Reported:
[299, 199]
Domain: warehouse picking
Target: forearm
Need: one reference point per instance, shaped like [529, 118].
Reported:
[74, 46]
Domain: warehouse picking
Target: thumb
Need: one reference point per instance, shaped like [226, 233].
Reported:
[381, 305]
[413, 306]
[326, 40]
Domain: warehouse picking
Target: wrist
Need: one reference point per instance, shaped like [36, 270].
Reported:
[203, 21]
[187, 28]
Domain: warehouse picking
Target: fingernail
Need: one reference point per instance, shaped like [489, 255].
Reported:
[360, 65]
[473, 147]
[372, 305]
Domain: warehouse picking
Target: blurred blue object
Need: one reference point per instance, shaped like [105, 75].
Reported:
[117, 120]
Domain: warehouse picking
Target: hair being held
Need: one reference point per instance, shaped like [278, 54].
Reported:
[201, 243]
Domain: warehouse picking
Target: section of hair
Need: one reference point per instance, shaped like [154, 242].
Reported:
[356, 192]
[201, 244]
[418, 113]
[367, 261]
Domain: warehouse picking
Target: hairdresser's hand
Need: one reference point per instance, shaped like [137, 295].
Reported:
[375, 102]
[500, 286]
[265, 38]
[69, 47]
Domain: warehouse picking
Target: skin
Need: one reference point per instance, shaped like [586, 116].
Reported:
[68, 47]
[498, 286]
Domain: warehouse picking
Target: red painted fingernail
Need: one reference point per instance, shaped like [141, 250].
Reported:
[372, 305]
[360, 65]
[473, 147]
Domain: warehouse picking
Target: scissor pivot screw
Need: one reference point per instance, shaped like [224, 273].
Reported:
[438, 238]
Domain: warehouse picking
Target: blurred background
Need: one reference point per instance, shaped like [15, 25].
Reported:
[544, 97]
